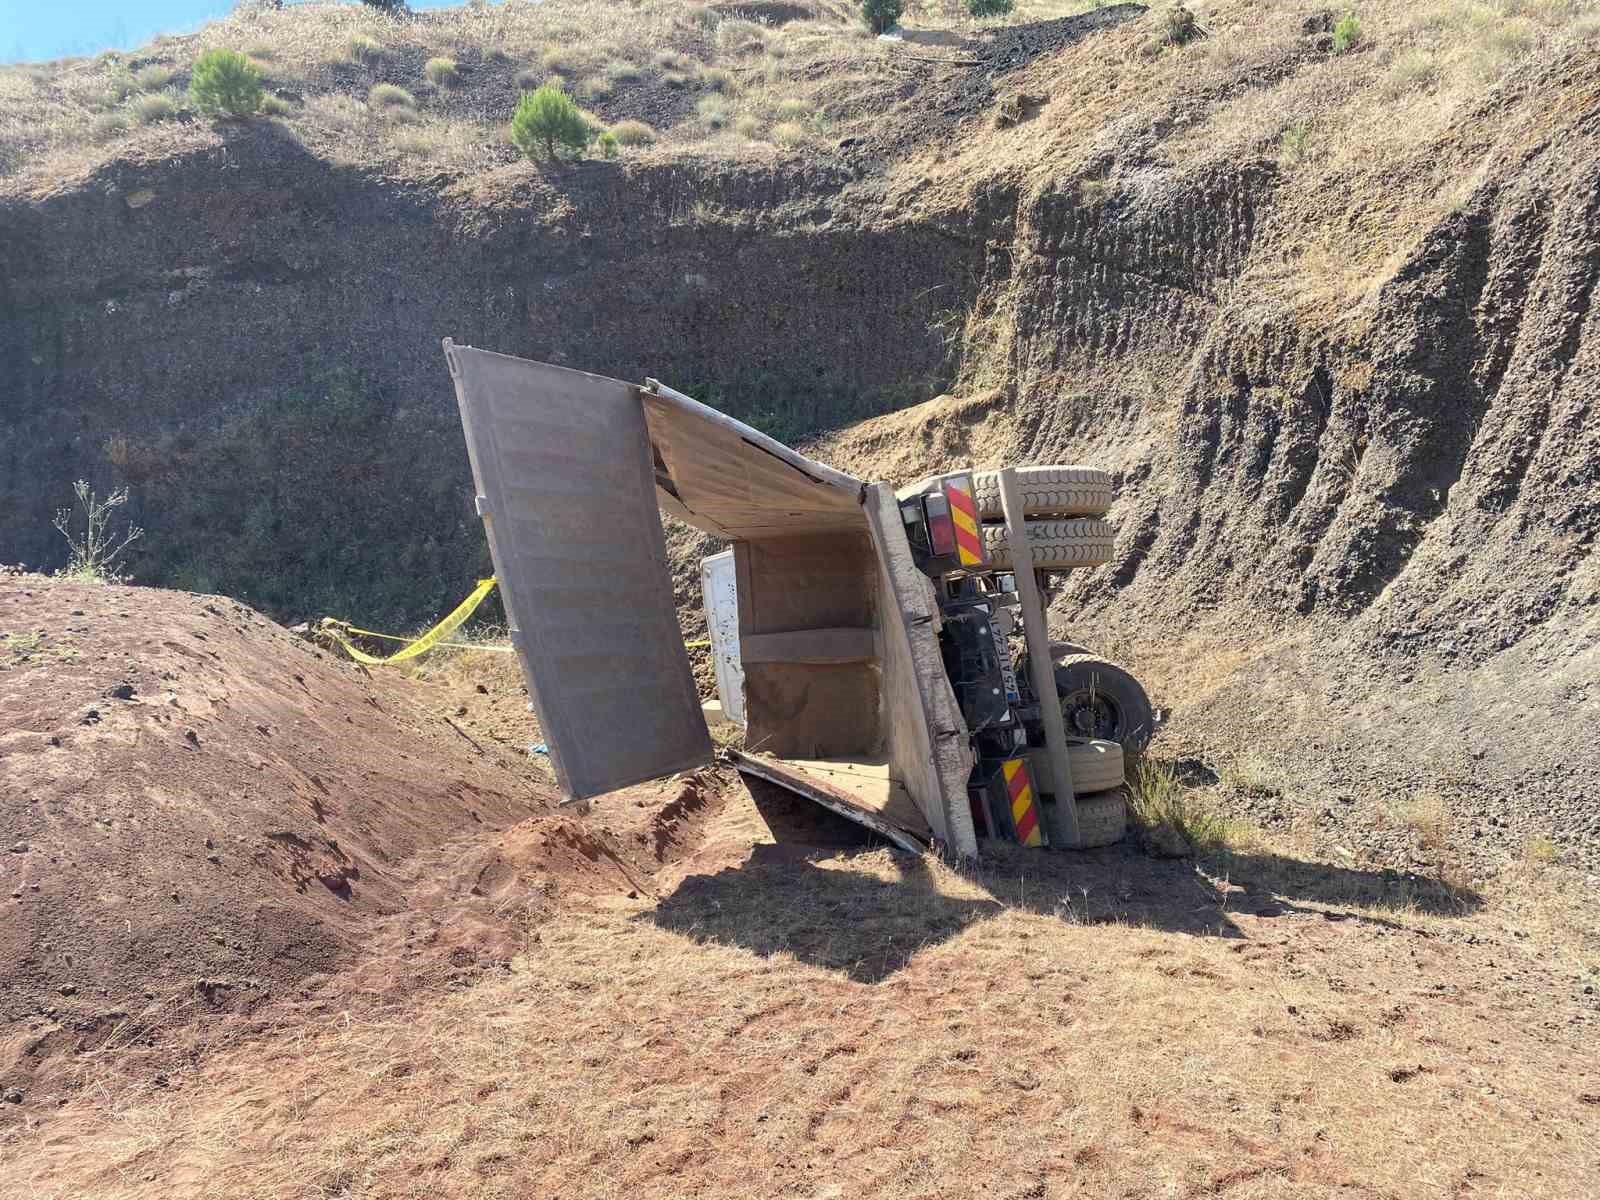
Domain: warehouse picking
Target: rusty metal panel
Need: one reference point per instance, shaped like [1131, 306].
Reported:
[566, 489]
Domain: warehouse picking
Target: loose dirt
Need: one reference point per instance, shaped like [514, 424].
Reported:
[793, 1013]
[208, 821]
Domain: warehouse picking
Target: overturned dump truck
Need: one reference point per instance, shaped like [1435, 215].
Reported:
[887, 642]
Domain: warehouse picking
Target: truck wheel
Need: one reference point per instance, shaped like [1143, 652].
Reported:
[1056, 545]
[1047, 491]
[1101, 700]
[1096, 766]
[1102, 819]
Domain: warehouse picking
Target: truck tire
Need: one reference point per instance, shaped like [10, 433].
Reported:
[1056, 545]
[1097, 766]
[1102, 820]
[1101, 700]
[1047, 491]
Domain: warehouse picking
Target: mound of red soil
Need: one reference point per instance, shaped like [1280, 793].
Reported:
[197, 802]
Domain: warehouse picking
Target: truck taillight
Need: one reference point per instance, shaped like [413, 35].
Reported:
[941, 530]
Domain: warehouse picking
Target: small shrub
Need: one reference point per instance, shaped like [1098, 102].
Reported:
[1295, 144]
[1181, 27]
[715, 112]
[107, 126]
[717, 79]
[94, 549]
[792, 108]
[880, 15]
[671, 60]
[675, 79]
[633, 133]
[388, 6]
[529, 78]
[275, 106]
[120, 85]
[153, 78]
[790, 133]
[748, 125]
[363, 49]
[596, 87]
[441, 71]
[608, 144]
[147, 110]
[388, 95]
[618, 71]
[547, 124]
[1347, 33]
[223, 83]
[988, 8]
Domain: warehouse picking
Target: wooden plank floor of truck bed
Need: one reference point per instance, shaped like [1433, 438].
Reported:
[860, 790]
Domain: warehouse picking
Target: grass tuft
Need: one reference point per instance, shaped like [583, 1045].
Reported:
[790, 134]
[363, 49]
[148, 110]
[715, 111]
[389, 95]
[1157, 797]
[633, 133]
[441, 71]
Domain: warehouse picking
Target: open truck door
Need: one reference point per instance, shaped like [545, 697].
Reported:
[845, 695]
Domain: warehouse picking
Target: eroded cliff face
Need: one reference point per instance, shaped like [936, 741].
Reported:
[1359, 500]
[249, 337]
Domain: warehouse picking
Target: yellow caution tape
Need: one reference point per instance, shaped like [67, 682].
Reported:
[337, 630]
[432, 640]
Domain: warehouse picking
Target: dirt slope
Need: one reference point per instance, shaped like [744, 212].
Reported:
[206, 818]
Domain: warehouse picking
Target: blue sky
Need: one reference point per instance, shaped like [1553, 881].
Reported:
[31, 30]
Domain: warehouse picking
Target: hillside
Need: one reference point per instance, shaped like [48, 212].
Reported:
[1322, 304]
[1325, 314]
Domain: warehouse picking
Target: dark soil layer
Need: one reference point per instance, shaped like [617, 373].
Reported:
[255, 349]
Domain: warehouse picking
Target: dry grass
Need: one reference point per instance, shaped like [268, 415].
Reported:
[441, 71]
[633, 133]
[53, 116]
[1431, 59]
[1427, 817]
[1157, 797]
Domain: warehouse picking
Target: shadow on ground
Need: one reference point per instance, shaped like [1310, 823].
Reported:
[802, 895]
